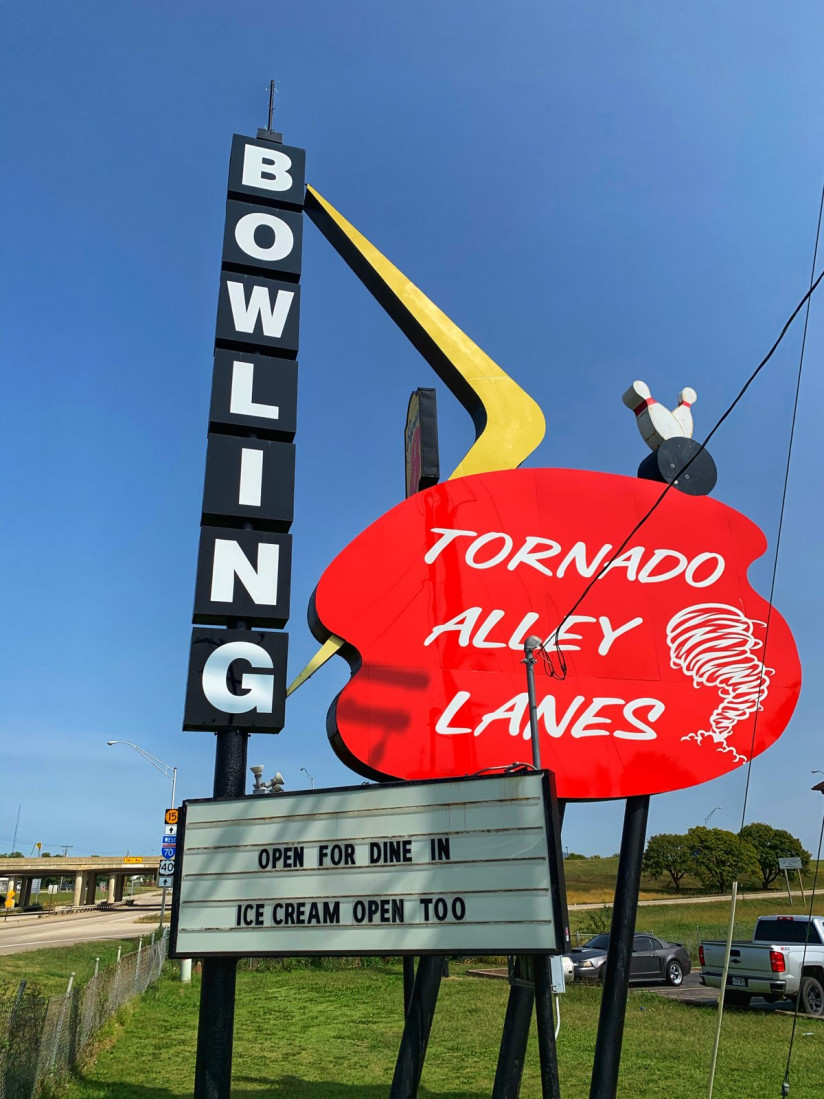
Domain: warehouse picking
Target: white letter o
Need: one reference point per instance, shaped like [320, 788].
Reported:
[280, 247]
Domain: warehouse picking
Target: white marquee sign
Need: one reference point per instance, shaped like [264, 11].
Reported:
[467, 866]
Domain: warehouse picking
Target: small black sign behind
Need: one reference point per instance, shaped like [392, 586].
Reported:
[420, 440]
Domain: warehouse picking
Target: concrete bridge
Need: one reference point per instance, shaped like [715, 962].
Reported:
[86, 872]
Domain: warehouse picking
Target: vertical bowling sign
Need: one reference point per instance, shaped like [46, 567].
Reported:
[237, 664]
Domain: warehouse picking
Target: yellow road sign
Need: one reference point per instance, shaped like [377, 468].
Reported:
[171, 816]
[133, 858]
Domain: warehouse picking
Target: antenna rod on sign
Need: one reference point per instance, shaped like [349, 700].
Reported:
[269, 134]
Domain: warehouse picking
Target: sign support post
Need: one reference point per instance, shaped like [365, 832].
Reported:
[417, 1027]
[521, 998]
[792, 863]
[550, 1085]
[408, 980]
[619, 956]
[515, 1035]
[237, 667]
[787, 880]
[215, 1032]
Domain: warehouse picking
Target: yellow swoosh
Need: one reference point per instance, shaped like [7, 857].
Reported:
[509, 425]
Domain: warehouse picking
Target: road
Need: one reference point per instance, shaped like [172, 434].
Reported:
[33, 931]
[711, 899]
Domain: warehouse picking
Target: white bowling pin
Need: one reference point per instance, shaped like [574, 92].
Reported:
[655, 422]
[683, 413]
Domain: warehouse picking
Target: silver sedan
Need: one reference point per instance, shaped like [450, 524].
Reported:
[652, 960]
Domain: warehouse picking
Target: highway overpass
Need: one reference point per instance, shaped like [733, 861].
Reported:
[85, 871]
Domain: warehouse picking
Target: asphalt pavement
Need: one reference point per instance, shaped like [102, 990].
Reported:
[33, 930]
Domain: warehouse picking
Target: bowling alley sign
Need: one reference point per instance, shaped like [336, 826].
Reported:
[670, 671]
[237, 675]
[664, 676]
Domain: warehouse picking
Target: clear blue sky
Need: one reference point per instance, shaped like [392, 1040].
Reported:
[594, 192]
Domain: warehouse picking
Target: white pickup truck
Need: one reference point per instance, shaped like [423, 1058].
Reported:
[785, 960]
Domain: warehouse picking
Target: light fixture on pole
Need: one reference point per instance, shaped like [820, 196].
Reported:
[171, 773]
[309, 777]
[164, 768]
[707, 817]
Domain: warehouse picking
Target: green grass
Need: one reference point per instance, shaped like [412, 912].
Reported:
[593, 879]
[333, 1034]
[48, 969]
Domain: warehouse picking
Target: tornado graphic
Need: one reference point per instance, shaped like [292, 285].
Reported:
[715, 645]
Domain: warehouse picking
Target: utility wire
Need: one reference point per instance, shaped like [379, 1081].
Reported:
[813, 284]
[560, 673]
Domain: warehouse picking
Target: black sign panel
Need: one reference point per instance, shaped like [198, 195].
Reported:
[237, 680]
[243, 574]
[258, 312]
[250, 479]
[420, 439]
[270, 173]
[263, 239]
[254, 393]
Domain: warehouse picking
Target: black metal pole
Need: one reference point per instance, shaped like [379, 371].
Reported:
[411, 1055]
[514, 1038]
[550, 1086]
[619, 956]
[545, 1023]
[518, 1017]
[215, 1032]
[408, 980]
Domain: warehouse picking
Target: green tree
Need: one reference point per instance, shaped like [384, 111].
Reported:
[772, 844]
[669, 853]
[720, 857]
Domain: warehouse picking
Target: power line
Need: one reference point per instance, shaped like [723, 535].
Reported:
[739, 852]
[780, 526]
[562, 666]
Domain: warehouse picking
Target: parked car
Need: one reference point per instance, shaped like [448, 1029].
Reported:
[652, 960]
[785, 960]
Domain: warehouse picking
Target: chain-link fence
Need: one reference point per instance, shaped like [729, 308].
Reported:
[43, 1037]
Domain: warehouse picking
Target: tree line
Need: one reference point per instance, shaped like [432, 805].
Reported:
[718, 857]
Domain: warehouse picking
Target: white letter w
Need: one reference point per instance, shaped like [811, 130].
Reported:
[272, 318]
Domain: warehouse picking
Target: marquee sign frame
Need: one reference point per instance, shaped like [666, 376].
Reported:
[457, 866]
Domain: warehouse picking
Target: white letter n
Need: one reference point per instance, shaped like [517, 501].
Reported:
[230, 561]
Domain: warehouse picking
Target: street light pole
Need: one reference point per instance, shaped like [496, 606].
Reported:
[170, 773]
[308, 776]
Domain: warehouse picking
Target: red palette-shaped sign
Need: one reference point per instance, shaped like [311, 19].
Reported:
[668, 682]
